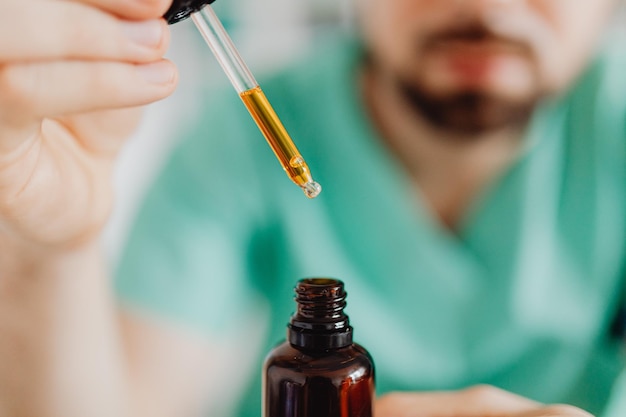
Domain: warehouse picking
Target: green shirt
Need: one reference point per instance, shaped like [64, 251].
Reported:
[522, 297]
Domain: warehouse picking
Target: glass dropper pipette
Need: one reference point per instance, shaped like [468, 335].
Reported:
[254, 99]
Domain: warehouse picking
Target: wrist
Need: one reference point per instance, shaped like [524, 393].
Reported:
[20, 259]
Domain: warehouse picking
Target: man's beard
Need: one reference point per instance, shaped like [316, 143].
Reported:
[467, 113]
[472, 111]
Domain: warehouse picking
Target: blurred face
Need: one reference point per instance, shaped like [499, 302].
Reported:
[476, 65]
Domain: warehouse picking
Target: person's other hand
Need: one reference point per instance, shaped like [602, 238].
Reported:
[478, 401]
[72, 75]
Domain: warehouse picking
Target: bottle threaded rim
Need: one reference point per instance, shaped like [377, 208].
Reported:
[320, 321]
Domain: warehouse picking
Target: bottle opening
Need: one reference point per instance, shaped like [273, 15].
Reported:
[320, 321]
[324, 282]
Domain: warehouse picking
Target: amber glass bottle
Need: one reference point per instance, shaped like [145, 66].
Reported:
[318, 371]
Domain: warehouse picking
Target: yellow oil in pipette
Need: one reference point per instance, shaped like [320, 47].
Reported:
[277, 137]
[254, 99]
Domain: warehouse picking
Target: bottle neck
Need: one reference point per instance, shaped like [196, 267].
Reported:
[320, 322]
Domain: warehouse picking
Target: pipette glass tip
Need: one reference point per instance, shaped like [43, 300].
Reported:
[312, 189]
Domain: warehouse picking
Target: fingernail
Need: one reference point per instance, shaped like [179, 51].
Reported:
[157, 73]
[148, 33]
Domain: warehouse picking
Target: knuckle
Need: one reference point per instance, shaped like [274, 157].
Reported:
[102, 79]
[80, 37]
[153, 8]
[17, 87]
[112, 81]
[88, 32]
[387, 404]
[483, 392]
[90, 36]
[138, 9]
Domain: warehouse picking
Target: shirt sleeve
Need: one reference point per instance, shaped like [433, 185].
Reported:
[187, 255]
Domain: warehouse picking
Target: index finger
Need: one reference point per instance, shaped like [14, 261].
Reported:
[39, 30]
[130, 9]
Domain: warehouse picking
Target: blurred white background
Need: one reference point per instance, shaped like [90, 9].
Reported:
[268, 34]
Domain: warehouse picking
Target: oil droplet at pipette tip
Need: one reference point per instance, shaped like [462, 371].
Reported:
[312, 189]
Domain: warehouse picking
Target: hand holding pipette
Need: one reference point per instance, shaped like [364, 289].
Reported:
[248, 89]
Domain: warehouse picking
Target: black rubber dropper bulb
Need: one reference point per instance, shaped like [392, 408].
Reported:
[318, 371]
[182, 9]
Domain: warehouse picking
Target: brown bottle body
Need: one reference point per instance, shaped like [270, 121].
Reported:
[339, 383]
[319, 371]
